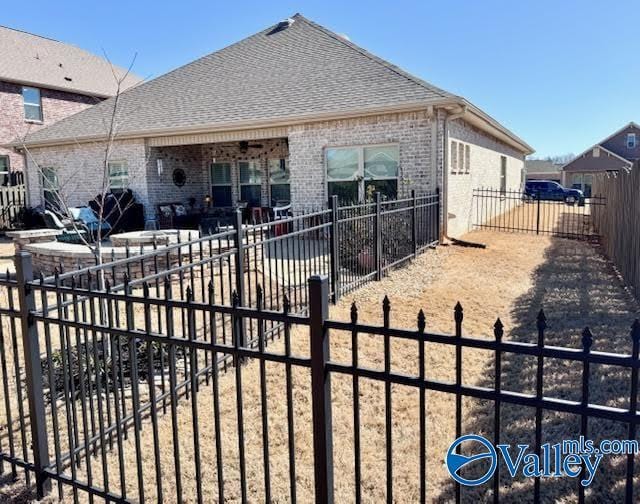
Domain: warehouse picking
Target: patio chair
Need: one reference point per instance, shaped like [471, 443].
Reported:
[88, 220]
[52, 221]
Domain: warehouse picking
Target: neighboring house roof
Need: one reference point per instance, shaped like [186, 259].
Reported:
[541, 166]
[289, 73]
[605, 161]
[38, 61]
[587, 162]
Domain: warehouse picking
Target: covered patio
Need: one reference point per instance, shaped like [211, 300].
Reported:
[201, 184]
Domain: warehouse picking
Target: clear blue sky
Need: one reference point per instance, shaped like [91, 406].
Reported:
[561, 74]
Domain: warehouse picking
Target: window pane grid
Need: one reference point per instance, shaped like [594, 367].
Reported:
[353, 172]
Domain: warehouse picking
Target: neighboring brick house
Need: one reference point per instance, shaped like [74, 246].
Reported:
[43, 81]
[295, 112]
[616, 152]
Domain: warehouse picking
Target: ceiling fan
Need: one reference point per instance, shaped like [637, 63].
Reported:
[245, 146]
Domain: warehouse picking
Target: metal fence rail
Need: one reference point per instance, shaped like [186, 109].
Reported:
[515, 211]
[103, 379]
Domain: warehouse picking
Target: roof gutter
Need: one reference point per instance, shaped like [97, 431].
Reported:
[482, 121]
[42, 85]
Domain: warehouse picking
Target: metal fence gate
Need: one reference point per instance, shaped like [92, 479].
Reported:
[516, 211]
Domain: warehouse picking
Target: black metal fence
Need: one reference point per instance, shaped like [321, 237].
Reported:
[516, 211]
[123, 396]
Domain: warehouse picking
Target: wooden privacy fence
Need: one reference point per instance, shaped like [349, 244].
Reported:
[619, 222]
[12, 200]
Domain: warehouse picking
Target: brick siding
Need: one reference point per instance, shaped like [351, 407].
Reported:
[56, 105]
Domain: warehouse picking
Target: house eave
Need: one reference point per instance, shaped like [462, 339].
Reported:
[64, 89]
[474, 115]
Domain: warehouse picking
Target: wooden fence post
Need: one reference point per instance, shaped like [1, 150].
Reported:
[33, 373]
[321, 389]
[239, 256]
[334, 250]
[378, 236]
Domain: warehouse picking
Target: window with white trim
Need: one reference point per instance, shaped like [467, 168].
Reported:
[354, 174]
[5, 175]
[631, 141]
[118, 175]
[220, 174]
[32, 104]
[250, 182]
[460, 157]
[50, 188]
[279, 181]
[503, 174]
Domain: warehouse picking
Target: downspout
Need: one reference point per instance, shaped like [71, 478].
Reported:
[445, 170]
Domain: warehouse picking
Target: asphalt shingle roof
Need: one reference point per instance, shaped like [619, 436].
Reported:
[47, 63]
[300, 70]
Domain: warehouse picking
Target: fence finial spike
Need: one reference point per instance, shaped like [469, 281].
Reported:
[286, 306]
[107, 285]
[422, 320]
[235, 299]
[125, 280]
[40, 276]
[210, 289]
[145, 289]
[354, 313]
[189, 293]
[56, 276]
[587, 339]
[386, 304]
[635, 330]
[498, 329]
[73, 282]
[458, 312]
[541, 320]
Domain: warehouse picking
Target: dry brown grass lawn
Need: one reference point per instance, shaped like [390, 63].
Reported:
[511, 279]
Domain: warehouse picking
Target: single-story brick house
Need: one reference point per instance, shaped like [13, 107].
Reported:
[294, 112]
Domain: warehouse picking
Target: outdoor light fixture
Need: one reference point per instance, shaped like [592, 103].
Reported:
[160, 166]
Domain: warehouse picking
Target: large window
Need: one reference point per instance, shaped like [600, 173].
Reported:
[221, 184]
[32, 104]
[279, 184]
[50, 188]
[118, 175]
[250, 182]
[356, 173]
[503, 174]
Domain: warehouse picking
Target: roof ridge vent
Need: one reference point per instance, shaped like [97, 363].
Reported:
[282, 25]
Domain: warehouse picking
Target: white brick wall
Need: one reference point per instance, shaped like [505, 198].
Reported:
[307, 143]
[80, 169]
[79, 165]
[485, 153]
